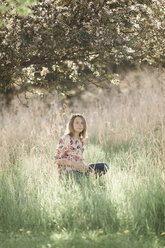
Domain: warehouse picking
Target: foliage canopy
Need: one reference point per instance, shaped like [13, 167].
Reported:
[66, 44]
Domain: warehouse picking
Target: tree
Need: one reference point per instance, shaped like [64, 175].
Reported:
[66, 44]
[19, 7]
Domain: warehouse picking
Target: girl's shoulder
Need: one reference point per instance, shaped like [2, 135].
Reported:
[65, 138]
[82, 141]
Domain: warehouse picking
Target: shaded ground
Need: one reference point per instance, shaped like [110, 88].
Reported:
[93, 239]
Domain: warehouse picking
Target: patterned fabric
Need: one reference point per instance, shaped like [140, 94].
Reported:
[69, 149]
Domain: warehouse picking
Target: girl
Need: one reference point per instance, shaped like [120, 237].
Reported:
[69, 153]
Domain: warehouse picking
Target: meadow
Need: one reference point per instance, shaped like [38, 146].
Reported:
[125, 208]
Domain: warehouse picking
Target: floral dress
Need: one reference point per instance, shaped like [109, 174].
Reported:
[69, 149]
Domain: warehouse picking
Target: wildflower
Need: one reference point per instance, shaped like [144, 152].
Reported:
[126, 231]
[163, 233]
[21, 229]
[118, 233]
[83, 237]
[101, 231]
[28, 232]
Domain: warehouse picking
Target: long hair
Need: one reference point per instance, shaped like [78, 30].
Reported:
[71, 129]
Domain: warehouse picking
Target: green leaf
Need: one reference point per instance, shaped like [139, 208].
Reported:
[3, 8]
[2, 23]
[23, 11]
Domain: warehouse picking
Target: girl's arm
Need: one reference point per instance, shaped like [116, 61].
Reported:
[80, 166]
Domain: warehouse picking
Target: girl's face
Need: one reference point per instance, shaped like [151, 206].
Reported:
[78, 125]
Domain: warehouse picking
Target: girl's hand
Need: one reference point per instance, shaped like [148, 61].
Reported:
[85, 165]
[79, 165]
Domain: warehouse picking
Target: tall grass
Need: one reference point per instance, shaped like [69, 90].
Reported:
[33, 196]
[131, 196]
